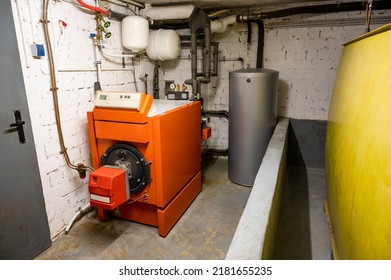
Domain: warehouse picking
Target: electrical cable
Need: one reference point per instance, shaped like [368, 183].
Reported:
[137, 199]
[368, 9]
[81, 168]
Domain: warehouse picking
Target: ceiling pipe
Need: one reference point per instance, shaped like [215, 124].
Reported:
[186, 42]
[167, 12]
[326, 8]
[221, 25]
[198, 20]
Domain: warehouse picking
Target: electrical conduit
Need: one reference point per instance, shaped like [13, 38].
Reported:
[80, 167]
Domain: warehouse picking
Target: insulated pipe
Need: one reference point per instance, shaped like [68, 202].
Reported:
[261, 37]
[207, 53]
[327, 8]
[215, 70]
[168, 12]
[186, 42]
[175, 26]
[221, 113]
[218, 25]
[221, 25]
[314, 9]
[193, 52]
[248, 33]
[206, 58]
[214, 152]
[199, 21]
[118, 16]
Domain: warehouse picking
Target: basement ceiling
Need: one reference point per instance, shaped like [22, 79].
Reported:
[219, 4]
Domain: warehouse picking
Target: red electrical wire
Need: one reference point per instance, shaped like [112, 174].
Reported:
[93, 8]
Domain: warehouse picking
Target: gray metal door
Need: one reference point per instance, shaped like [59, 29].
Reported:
[24, 229]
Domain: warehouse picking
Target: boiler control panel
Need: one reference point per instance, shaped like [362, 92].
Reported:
[118, 99]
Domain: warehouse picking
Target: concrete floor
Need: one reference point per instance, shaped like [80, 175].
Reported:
[205, 230]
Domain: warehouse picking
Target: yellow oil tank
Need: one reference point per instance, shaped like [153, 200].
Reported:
[358, 149]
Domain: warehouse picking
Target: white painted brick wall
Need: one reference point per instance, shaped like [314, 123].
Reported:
[307, 59]
[64, 191]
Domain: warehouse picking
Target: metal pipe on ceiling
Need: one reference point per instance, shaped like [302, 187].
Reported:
[325, 22]
[323, 9]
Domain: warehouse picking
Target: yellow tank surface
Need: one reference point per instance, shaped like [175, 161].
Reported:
[358, 149]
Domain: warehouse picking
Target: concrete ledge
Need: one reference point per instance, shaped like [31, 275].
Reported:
[254, 236]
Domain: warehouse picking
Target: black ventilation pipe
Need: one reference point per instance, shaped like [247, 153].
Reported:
[220, 113]
[261, 40]
[249, 33]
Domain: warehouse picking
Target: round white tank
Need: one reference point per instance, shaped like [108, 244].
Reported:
[163, 45]
[135, 33]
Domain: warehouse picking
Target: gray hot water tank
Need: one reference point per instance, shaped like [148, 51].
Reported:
[252, 119]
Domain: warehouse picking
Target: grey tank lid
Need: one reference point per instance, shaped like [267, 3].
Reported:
[254, 72]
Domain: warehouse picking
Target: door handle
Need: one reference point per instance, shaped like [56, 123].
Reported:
[19, 126]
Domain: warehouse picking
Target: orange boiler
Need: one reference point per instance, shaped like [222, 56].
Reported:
[147, 159]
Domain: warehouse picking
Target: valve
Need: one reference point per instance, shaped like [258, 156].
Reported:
[82, 171]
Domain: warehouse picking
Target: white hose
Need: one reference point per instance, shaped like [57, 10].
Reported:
[79, 212]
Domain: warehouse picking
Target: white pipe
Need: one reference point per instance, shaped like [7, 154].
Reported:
[168, 12]
[97, 61]
[31, 21]
[79, 212]
[220, 25]
[116, 55]
[22, 34]
[93, 70]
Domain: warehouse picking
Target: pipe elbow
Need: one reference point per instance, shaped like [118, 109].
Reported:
[221, 25]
